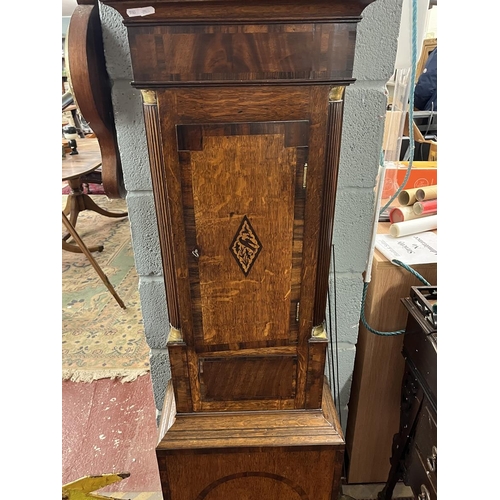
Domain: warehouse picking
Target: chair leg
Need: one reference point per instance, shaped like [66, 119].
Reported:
[85, 250]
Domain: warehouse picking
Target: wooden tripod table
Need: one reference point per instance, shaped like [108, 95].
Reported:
[74, 167]
[85, 250]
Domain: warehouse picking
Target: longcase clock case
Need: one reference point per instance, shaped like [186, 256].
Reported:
[243, 107]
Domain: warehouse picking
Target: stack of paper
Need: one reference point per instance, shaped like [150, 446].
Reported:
[420, 248]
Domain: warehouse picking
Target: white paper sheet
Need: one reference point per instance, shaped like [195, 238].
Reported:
[420, 248]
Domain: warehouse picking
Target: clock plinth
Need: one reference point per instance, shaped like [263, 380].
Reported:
[251, 455]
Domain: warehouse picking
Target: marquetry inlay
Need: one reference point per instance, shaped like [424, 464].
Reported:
[245, 246]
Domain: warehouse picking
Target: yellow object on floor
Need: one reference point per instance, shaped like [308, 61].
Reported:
[82, 488]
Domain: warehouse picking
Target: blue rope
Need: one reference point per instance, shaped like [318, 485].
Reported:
[411, 104]
[412, 271]
[363, 299]
[365, 323]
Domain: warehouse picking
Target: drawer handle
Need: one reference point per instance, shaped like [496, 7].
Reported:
[424, 493]
[432, 460]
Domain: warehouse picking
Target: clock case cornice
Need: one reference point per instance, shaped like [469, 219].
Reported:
[238, 11]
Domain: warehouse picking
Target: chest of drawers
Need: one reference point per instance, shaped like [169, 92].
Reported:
[414, 452]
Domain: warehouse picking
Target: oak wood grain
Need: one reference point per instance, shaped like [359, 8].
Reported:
[179, 368]
[244, 157]
[289, 427]
[254, 378]
[265, 453]
[315, 370]
[310, 107]
[335, 114]
[221, 190]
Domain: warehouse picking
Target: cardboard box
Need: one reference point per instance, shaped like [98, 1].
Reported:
[423, 173]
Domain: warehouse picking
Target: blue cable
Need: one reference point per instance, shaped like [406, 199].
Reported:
[410, 164]
[411, 104]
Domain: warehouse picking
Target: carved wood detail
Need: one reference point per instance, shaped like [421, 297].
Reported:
[335, 119]
[160, 190]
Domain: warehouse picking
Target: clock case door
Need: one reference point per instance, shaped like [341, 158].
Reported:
[245, 192]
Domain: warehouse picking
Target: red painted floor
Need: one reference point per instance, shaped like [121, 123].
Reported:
[110, 427]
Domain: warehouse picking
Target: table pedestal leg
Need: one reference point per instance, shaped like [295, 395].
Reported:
[78, 201]
[89, 256]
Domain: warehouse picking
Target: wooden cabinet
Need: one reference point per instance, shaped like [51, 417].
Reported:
[374, 403]
[243, 107]
[414, 450]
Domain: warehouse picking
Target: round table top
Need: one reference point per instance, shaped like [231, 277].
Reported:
[86, 161]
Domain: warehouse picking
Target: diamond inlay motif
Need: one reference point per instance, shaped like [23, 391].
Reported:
[245, 246]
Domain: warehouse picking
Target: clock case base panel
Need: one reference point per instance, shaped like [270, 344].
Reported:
[250, 455]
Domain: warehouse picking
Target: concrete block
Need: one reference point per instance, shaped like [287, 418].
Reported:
[144, 230]
[343, 417]
[377, 40]
[347, 354]
[115, 41]
[352, 229]
[154, 311]
[131, 135]
[346, 291]
[338, 369]
[160, 375]
[362, 133]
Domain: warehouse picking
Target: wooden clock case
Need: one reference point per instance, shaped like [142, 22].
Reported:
[243, 104]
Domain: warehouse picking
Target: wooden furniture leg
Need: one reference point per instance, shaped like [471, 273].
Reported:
[78, 201]
[86, 251]
[411, 399]
[76, 249]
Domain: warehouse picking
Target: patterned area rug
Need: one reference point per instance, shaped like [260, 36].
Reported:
[89, 188]
[99, 338]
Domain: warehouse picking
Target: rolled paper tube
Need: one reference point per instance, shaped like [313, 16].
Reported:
[400, 214]
[427, 193]
[408, 196]
[413, 226]
[425, 207]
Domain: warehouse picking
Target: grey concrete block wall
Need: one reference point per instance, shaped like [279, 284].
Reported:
[363, 127]
[129, 118]
[364, 115]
